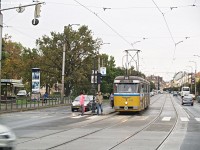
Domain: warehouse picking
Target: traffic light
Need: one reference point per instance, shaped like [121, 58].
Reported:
[37, 10]
[35, 21]
[99, 78]
[193, 80]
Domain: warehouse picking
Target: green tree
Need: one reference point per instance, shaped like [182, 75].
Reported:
[80, 49]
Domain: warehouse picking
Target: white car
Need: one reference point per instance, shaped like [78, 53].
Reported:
[187, 99]
[7, 138]
[22, 93]
[87, 103]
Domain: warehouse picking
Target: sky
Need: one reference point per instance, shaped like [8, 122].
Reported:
[167, 32]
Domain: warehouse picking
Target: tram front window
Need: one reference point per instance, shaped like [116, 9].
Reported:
[126, 88]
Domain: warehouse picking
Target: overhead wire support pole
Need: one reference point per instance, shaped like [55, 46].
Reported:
[1, 26]
[137, 53]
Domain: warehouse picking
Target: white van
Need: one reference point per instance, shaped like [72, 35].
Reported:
[185, 90]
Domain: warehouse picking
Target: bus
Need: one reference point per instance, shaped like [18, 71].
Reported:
[131, 94]
[185, 90]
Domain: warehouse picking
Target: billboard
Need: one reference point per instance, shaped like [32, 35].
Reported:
[35, 80]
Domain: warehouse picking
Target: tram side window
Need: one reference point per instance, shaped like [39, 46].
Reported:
[126, 88]
[142, 88]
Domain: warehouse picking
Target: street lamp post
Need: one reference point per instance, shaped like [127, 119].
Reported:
[99, 85]
[94, 80]
[190, 77]
[1, 26]
[63, 67]
[195, 76]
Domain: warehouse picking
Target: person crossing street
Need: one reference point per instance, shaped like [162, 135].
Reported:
[99, 101]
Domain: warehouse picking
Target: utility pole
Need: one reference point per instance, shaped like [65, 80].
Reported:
[1, 26]
[195, 86]
[132, 58]
[99, 84]
[63, 74]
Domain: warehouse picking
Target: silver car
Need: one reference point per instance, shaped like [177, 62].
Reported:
[87, 103]
[187, 99]
[7, 138]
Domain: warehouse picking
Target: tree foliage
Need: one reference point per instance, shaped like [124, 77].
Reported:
[81, 57]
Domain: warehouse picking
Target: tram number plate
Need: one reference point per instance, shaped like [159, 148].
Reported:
[125, 108]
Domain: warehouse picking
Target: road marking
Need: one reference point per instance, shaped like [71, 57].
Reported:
[92, 117]
[166, 118]
[124, 120]
[184, 119]
[197, 119]
[46, 117]
[75, 117]
[32, 117]
[143, 117]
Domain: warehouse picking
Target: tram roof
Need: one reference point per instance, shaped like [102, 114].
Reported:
[128, 78]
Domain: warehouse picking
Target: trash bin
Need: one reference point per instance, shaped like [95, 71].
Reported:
[198, 99]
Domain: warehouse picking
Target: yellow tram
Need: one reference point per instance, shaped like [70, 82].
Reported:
[131, 93]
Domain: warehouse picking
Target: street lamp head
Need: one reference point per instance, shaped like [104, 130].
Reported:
[196, 55]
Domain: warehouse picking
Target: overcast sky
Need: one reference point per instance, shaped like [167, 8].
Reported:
[168, 31]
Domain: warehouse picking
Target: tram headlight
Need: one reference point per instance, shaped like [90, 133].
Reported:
[126, 102]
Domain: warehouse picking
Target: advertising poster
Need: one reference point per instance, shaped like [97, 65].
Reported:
[35, 80]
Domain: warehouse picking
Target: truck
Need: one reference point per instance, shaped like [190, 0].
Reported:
[185, 90]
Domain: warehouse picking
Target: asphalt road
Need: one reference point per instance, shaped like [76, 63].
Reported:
[166, 125]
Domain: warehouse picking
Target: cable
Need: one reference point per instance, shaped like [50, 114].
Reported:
[104, 22]
[165, 22]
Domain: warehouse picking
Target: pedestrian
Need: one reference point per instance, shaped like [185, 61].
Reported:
[45, 96]
[99, 101]
[82, 99]
[111, 100]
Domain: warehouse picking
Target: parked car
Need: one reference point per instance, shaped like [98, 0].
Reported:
[193, 96]
[151, 93]
[175, 93]
[87, 103]
[22, 93]
[187, 99]
[7, 138]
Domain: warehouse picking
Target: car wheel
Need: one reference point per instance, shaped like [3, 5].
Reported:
[192, 104]
[72, 110]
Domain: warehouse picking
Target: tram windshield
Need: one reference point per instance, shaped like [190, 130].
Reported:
[126, 88]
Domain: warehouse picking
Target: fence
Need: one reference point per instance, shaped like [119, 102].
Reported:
[26, 103]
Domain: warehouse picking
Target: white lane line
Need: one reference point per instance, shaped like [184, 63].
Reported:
[184, 119]
[46, 117]
[77, 117]
[143, 117]
[32, 117]
[197, 119]
[166, 118]
[92, 117]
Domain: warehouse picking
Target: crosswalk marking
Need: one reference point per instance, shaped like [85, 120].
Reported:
[197, 119]
[166, 119]
[184, 119]
[92, 117]
[77, 117]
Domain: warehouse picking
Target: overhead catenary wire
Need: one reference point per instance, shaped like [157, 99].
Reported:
[104, 22]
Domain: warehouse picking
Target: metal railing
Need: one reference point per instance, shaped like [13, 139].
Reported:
[26, 103]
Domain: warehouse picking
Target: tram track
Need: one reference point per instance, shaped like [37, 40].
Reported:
[96, 131]
[173, 127]
[71, 128]
[78, 126]
[101, 129]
